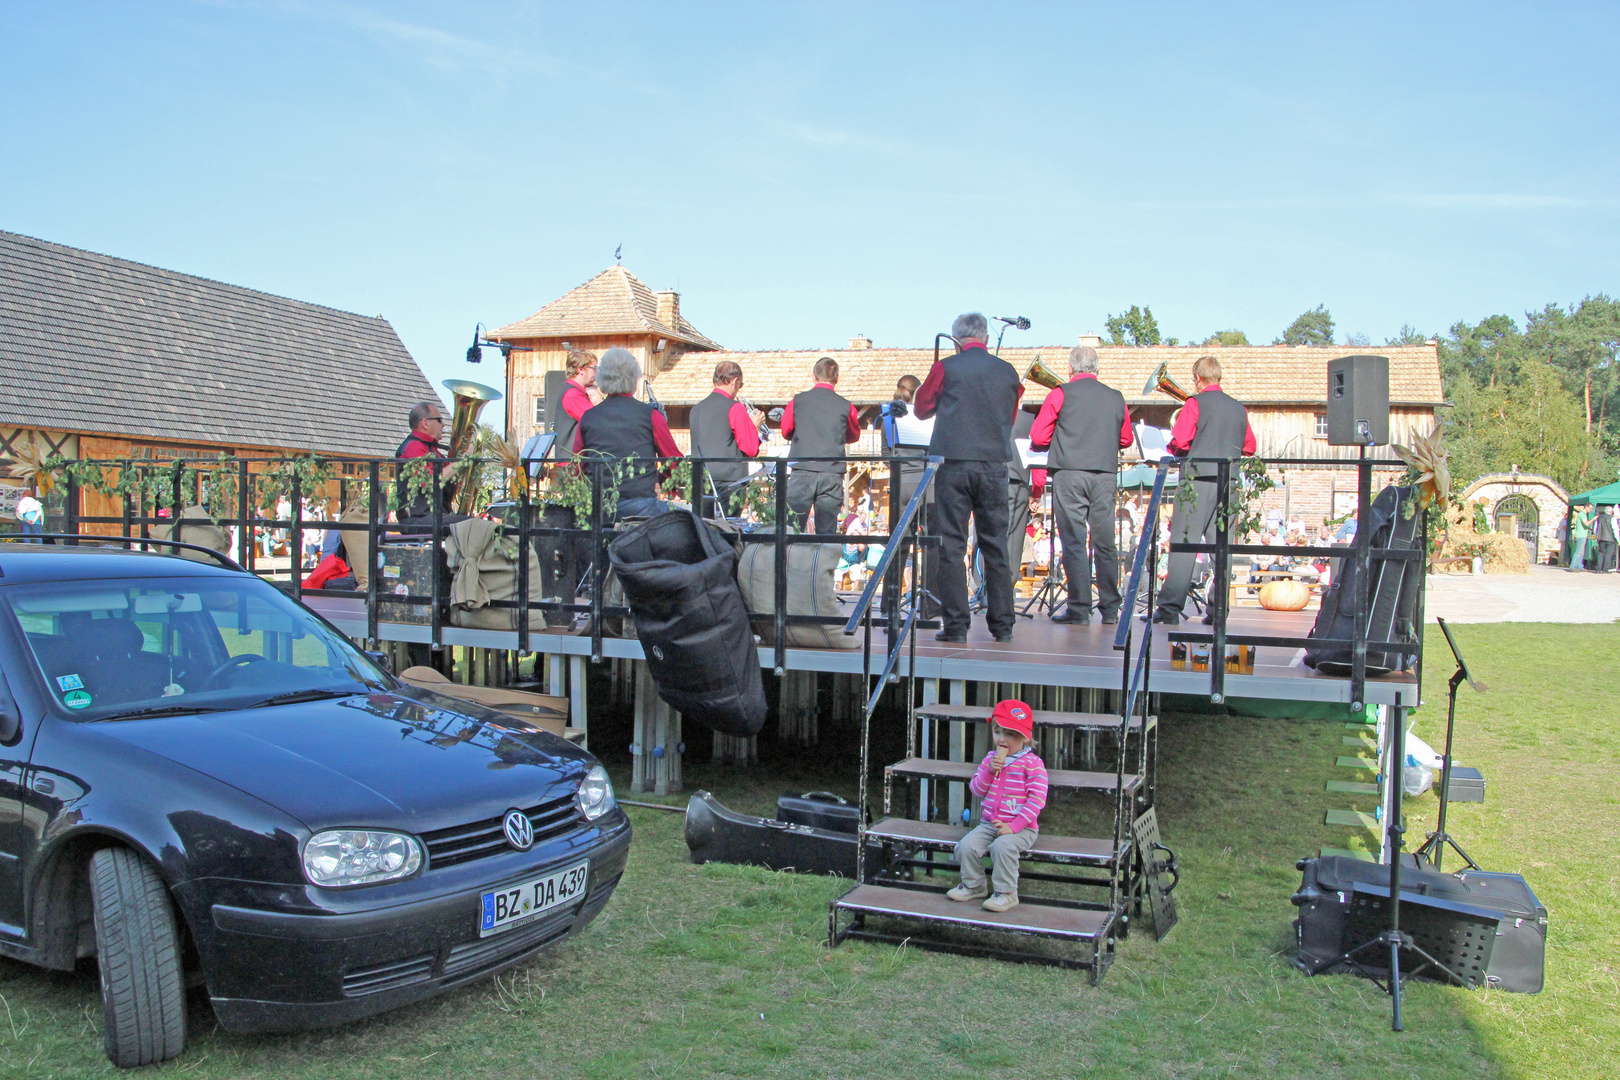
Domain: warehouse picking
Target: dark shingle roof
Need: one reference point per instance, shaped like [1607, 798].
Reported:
[91, 343]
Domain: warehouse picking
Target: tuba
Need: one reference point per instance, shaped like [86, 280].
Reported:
[470, 398]
[1041, 375]
[1161, 381]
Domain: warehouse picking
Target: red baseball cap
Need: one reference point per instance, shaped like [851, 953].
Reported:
[1015, 716]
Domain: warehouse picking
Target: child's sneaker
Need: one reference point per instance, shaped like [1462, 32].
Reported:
[1002, 901]
[962, 894]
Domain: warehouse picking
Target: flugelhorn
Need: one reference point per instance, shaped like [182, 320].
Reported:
[1161, 381]
[470, 399]
[1041, 375]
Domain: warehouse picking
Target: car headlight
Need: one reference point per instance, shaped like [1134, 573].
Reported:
[595, 793]
[341, 857]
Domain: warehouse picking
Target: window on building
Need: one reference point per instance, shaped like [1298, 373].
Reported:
[1321, 426]
[539, 410]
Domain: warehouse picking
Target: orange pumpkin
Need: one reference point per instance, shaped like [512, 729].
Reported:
[1284, 595]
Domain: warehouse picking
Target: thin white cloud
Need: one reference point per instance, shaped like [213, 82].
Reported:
[1490, 201]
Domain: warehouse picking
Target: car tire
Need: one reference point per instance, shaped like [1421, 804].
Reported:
[143, 990]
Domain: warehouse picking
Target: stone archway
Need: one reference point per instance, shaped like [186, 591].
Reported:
[1531, 506]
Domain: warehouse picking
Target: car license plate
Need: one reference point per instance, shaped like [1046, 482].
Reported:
[506, 908]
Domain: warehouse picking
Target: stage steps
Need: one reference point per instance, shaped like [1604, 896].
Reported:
[1093, 930]
[1044, 718]
[939, 836]
[962, 772]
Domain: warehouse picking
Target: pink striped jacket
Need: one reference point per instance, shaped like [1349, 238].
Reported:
[1016, 794]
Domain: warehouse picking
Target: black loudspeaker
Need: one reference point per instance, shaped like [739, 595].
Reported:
[556, 382]
[1358, 401]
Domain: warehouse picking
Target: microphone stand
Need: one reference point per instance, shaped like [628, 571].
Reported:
[1435, 846]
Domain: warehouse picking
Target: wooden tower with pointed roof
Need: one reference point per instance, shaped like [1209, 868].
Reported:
[613, 309]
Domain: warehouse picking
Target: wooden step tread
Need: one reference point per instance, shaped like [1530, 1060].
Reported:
[941, 836]
[1042, 717]
[1029, 917]
[1074, 779]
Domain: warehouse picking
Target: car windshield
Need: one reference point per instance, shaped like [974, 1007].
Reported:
[111, 648]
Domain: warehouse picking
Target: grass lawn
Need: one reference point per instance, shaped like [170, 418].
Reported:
[715, 970]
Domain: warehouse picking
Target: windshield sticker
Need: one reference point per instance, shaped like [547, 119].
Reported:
[174, 689]
[76, 699]
[70, 682]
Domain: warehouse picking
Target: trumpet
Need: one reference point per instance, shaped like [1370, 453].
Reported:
[1041, 375]
[758, 416]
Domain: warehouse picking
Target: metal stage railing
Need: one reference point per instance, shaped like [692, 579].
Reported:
[137, 520]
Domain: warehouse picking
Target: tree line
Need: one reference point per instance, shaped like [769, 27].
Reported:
[1543, 394]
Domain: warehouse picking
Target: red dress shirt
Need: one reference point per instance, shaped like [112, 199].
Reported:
[1181, 436]
[852, 425]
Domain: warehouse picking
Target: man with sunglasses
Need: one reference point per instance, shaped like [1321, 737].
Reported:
[427, 428]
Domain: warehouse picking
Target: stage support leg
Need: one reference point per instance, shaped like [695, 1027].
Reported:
[655, 763]
[925, 748]
[556, 675]
[957, 793]
[576, 698]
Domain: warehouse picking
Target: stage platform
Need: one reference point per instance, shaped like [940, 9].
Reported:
[1042, 652]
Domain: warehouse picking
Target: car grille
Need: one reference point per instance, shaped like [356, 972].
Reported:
[358, 982]
[474, 958]
[464, 843]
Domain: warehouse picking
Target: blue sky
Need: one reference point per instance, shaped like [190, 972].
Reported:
[802, 173]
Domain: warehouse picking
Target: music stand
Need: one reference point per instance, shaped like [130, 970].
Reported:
[535, 450]
[1434, 847]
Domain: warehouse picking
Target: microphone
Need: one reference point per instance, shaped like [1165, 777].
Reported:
[475, 354]
[1018, 322]
[775, 415]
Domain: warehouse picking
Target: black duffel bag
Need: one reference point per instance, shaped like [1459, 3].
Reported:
[680, 580]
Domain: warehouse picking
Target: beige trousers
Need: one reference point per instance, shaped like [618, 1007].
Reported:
[1004, 852]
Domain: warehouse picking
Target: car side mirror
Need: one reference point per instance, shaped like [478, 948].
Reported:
[10, 718]
[381, 660]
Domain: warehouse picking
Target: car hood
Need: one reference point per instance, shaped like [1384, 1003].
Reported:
[408, 759]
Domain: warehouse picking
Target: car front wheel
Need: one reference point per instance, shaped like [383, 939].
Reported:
[143, 990]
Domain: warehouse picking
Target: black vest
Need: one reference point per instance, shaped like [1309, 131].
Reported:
[712, 437]
[1223, 426]
[1088, 427]
[565, 427]
[406, 506]
[974, 418]
[621, 427]
[1023, 424]
[820, 422]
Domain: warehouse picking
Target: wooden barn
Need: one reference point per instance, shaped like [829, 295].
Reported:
[104, 358]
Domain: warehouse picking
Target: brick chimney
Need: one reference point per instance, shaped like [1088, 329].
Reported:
[860, 341]
[669, 309]
[1094, 340]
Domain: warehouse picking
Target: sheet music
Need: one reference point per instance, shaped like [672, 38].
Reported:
[1032, 459]
[910, 431]
[1154, 442]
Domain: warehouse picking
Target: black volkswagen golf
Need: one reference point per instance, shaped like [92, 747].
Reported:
[204, 783]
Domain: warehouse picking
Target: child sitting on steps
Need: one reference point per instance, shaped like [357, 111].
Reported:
[1011, 782]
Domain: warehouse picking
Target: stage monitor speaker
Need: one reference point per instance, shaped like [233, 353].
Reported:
[1358, 401]
[556, 383]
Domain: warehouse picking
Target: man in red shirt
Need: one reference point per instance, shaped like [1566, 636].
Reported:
[821, 422]
[576, 398]
[1211, 425]
[724, 434]
[427, 428]
[1086, 425]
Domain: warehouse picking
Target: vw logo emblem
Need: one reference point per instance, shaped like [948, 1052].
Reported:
[519, 832]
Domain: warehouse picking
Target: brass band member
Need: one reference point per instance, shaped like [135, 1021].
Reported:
[973, 396]
[427, 427]
[722, 428]
[1211, 425]
[820, 422]
[576, 398]
[1086, 425]
[621, 427]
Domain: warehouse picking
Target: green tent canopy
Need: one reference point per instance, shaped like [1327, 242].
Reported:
[1140, 478]
[1608, 495]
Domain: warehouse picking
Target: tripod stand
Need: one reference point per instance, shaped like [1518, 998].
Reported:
[1053, 590]
[1394, 938]
[1435, 846]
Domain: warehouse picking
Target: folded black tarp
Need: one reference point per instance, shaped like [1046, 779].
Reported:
[680, 580]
